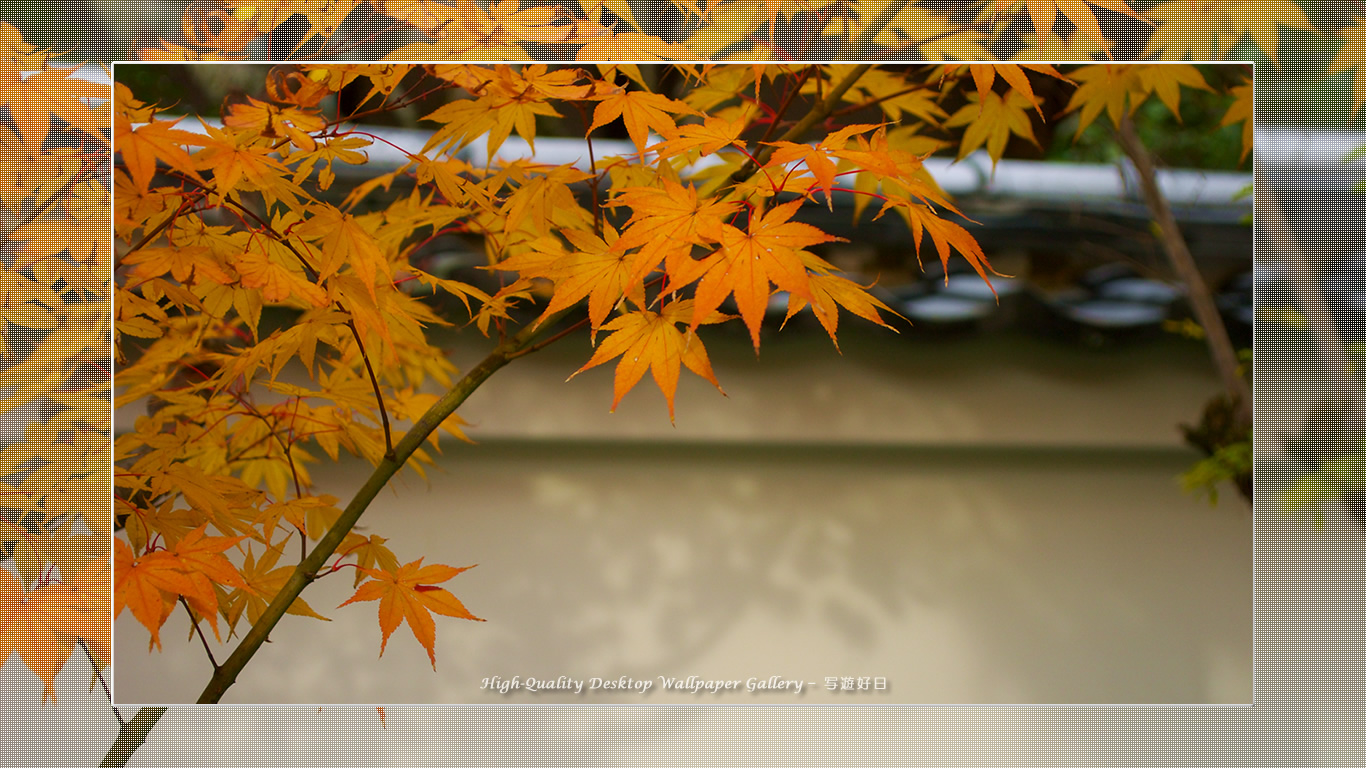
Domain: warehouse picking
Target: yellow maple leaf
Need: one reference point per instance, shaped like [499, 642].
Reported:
[1241, 112]
[265, 581]
[36, 624]
[990, 120]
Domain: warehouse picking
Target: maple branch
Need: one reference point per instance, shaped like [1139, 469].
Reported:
[979, 26]
[542, 344]
[811, 119]
[270, 432]
[374, 382]
[1344, 387]
[132, 735]
[99, 675]
[309, 568]
[787, 102]
[195, 623]
[51, 200]
[158, 229]
[405, 100]
[593, 167]
[1321, 325]
[1178, 253]
[864, 40]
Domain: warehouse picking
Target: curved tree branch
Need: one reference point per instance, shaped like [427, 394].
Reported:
[307, 570]
[1179, 255]
[132, 734]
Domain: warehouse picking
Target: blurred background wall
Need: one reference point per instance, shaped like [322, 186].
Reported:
[990, 519]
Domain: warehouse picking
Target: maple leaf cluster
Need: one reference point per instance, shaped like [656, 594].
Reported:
[749, 30]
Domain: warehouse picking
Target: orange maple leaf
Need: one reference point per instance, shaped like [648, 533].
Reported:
[830, 292]
[182, 262]
[711, 136]
[748, 261]
[642, 47]
[408, 594]
[149, 584]
[343, 240]
[594, 268]
[983, 75]
[1241, 111]
[493, 114]
[666, 221]
[18, 52]
[817, 157]
[641, 111]
[277, 283]
[646, 340]
[146, 586]
[233, 159]
[158, 140]
[273, 122]
[324, 17]
[944, 233]
[34, 100]
[1043, 14]
[295, 87]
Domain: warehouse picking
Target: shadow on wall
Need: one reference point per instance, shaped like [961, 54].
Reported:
[971, 577]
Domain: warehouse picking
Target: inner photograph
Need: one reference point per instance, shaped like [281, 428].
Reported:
[866, 384]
